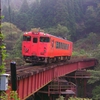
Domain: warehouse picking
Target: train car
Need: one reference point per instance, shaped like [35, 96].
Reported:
[43, 47]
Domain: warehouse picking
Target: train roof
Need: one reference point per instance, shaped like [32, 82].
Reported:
[43, 34]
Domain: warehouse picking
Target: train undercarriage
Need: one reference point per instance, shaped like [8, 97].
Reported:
[35, 59]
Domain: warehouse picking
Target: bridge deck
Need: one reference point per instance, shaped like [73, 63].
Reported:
[31, 81]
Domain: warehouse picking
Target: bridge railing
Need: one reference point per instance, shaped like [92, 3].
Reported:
[58, 88]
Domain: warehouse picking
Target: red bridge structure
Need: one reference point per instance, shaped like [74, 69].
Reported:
[32, 79]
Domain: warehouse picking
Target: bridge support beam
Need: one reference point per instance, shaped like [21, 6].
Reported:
[80, 78]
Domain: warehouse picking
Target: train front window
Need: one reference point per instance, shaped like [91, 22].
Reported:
[26, 38]
[44, 39]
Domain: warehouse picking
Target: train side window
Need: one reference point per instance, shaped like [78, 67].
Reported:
[67, 46]
[56, 44]
[44, 39]
[35, 40]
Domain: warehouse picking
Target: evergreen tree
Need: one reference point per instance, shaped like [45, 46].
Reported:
[90, 19]
[22, 21]
[22, 17]
[45, 14]
[60, 12]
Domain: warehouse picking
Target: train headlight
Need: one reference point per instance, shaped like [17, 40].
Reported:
[26, 32]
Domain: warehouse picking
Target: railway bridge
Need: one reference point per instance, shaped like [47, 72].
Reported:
[31, 79]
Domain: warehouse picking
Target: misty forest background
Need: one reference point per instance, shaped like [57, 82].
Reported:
[75, 20]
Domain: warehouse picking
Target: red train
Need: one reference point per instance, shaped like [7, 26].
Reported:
[43, 47]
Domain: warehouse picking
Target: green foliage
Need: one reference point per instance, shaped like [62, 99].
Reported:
[11, 96]
[81, 17]
[89, 43]
[3, 95]
[96, 53]
[46, 14]
[3, 54]
[80, 53]
[76, 98]
[60, 31]
[75, 53]
[60, 98]
[95, 76]
[17, 48]
[90, 46]
[12, 34]
[14, 95]
[96, 93]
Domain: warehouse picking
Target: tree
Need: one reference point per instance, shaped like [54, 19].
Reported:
[60, 31]
[12, 34]
[44, 15]
[90, 19]
[60, 18]
[95, 75]
[96, 93]
[17, 48]
[22, 21]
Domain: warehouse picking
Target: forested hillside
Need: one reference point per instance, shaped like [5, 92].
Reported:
[80, 16]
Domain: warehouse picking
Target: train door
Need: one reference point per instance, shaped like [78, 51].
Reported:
[52, 47]
[35, 46]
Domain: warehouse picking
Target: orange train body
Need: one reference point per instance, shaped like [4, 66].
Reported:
[42, 47]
